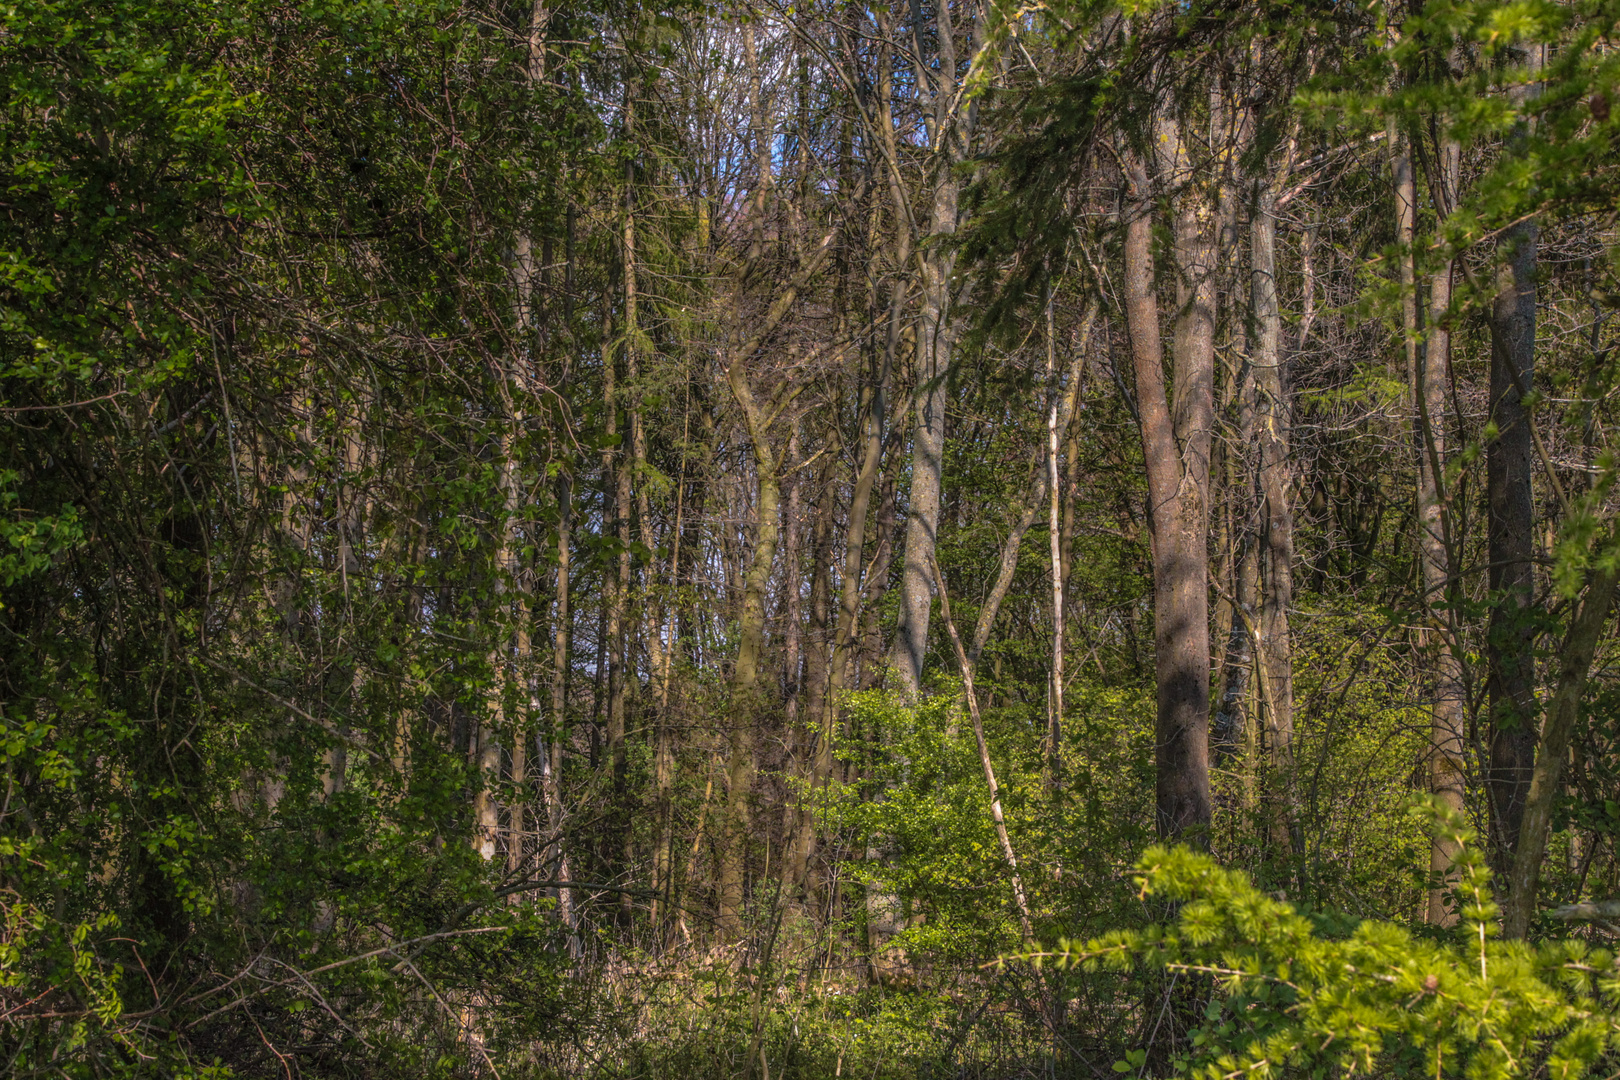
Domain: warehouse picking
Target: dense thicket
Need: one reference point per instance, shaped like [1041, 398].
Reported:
[617, 540]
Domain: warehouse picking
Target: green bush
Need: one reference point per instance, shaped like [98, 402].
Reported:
[1287, 994]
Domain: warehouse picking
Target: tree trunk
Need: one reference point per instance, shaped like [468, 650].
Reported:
[1427, 362]
[1511, 637]
[936, 343]
[1276, 482]
[664, 752]
[793, 599]
[1178, 474]
[800, 833]
[555, 856]
[494, 721]
[1054, 694]
[1230, 734]
[996, 816]
[744, 709]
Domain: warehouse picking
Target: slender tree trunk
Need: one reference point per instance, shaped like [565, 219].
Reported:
[877, 584]
[556, 854]
[1272, 428]
[352, 515]
[1031, 507]
[664, 759]
[617, 835]
[800, 832]
[744, 710]
[1511, 502]
[1054, 719]
[1426, 363]
[1230, 734]
[793, 650]
[996, 815]
[494, 721]
[864, 647]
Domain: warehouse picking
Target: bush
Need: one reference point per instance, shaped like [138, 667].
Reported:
[1288, 994]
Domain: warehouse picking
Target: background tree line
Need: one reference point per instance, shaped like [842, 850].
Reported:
[632, 540]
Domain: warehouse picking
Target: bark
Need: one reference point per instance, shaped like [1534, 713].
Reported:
[1510, 641]
[1071, 519]
[352, 516]
[927, 462]
[494, 722]
[793, 593]
[1272, 429]
[1054, 694]
[870, 668]
[664, 753]
[1427, 363]
[800, 831]
[948, 129]
[745, 697]
[522, 690]
[1230, 729]
[1232, 732]
[1175, 448]
[555, 855]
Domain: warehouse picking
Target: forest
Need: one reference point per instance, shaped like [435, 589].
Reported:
[788, 539]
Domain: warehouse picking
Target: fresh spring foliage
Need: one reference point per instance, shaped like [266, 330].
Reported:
[1286, 993]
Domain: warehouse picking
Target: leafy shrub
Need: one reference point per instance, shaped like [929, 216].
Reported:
[1291, 995]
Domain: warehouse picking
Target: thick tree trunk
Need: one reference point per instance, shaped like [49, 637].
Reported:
[948, 129]
[933, 357]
